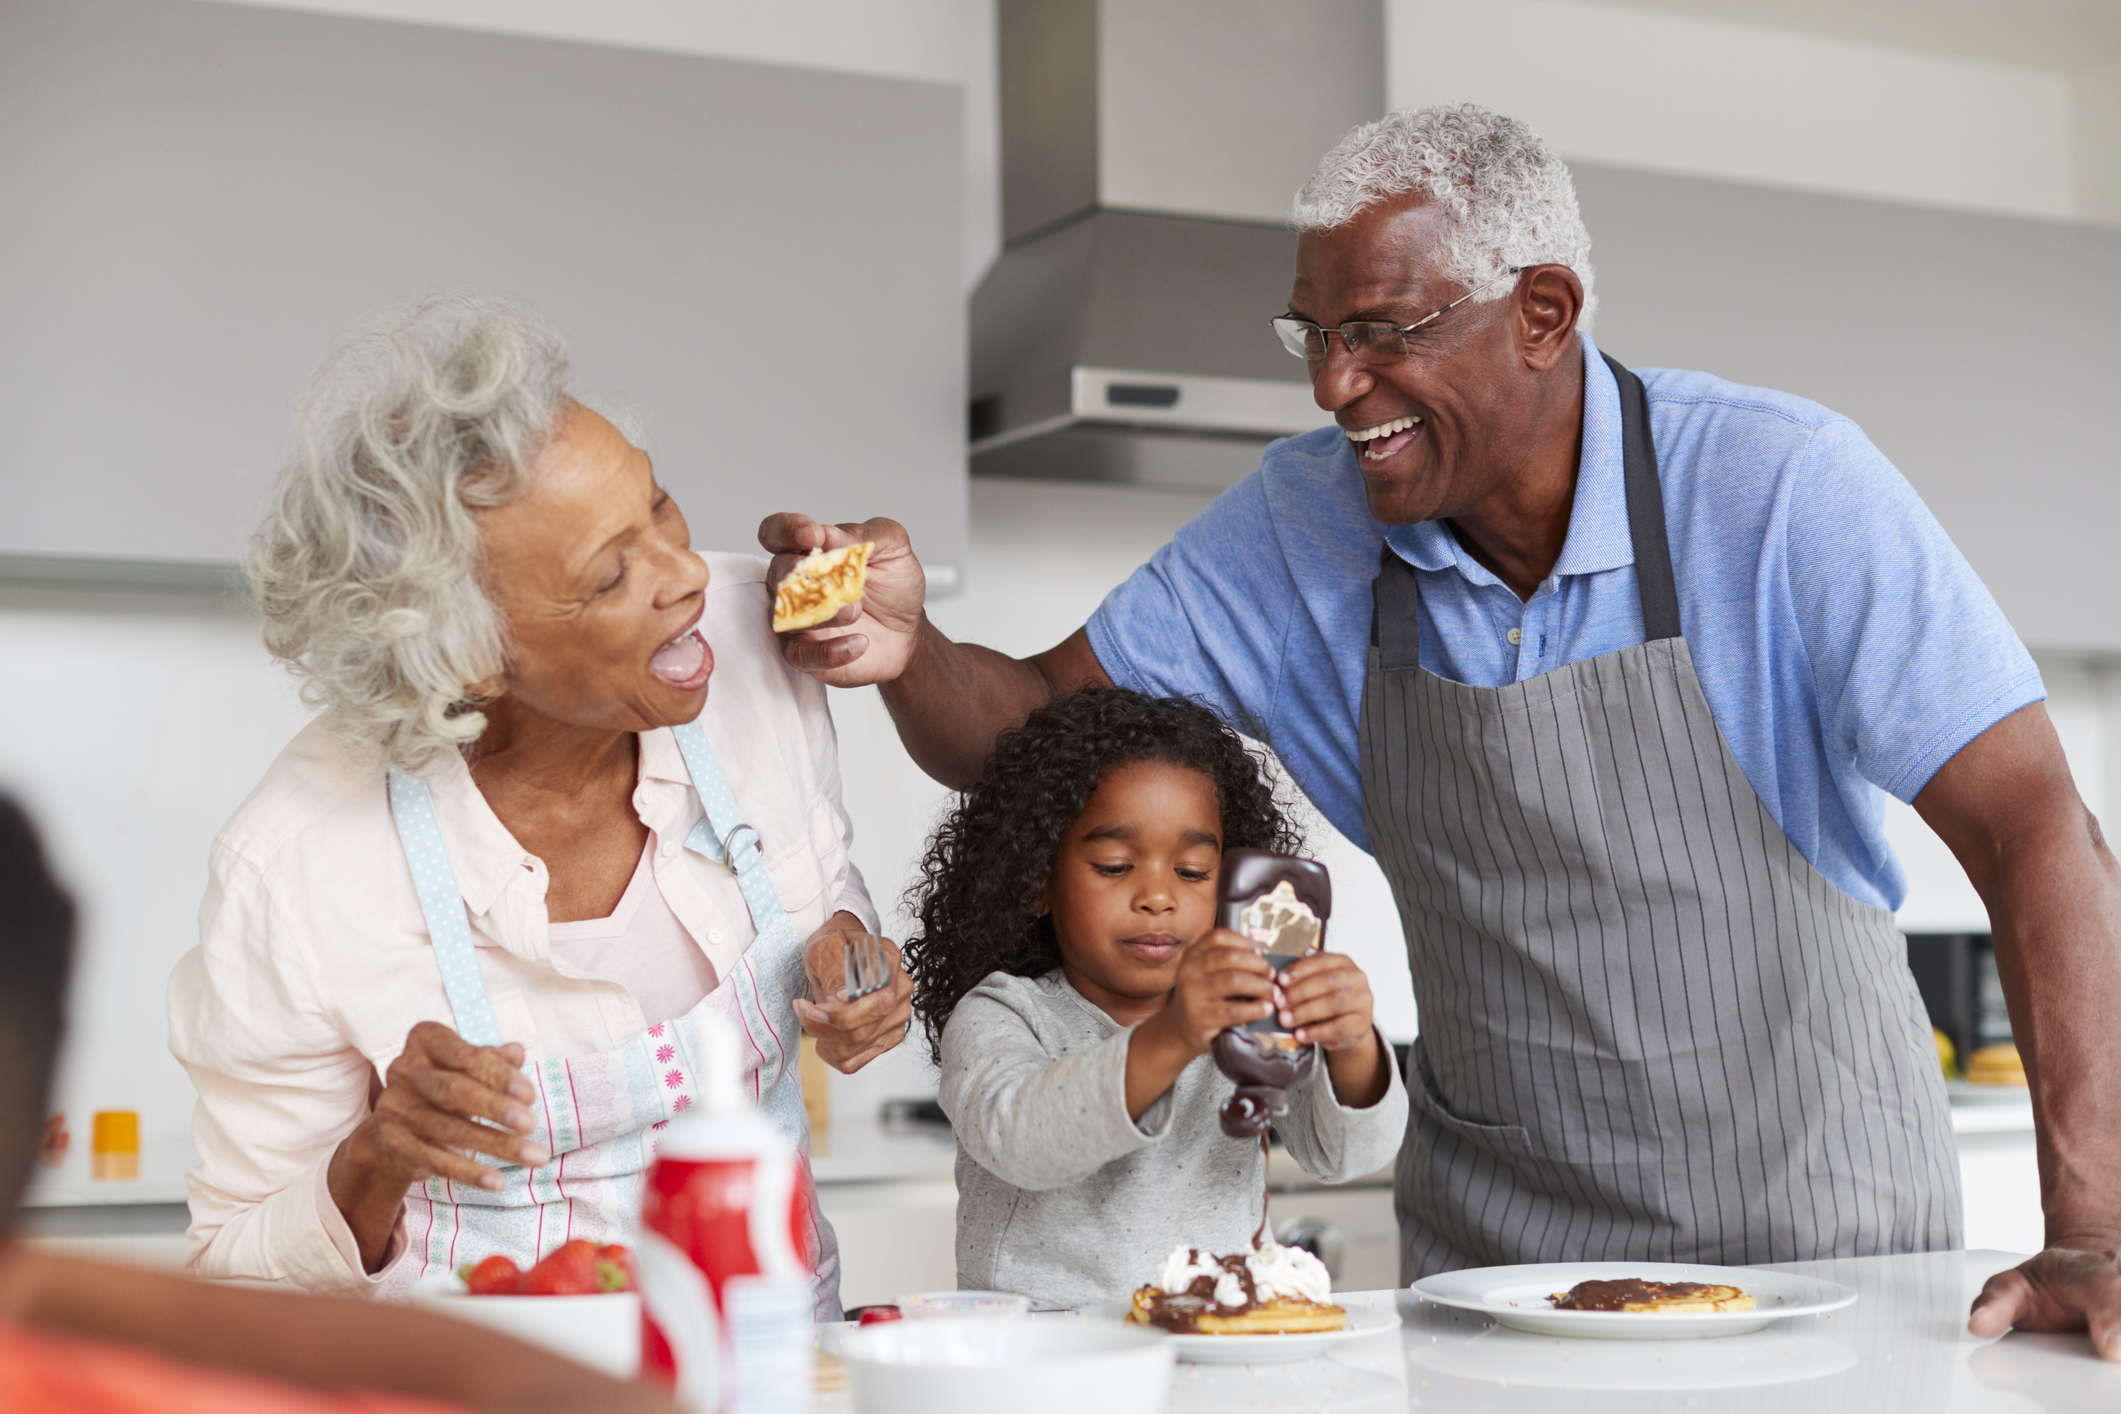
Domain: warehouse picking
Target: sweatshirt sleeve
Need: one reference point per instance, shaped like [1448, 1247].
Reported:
[278, 1088]
[1335, 1144]
[1030, 1118]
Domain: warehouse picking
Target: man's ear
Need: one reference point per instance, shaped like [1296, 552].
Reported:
[1549, 301]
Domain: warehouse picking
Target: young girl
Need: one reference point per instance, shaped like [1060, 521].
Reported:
[1071, 979]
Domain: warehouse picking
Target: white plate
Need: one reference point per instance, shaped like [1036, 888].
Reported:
[1272, 1349]
[1520, 1297]
[601, 1331]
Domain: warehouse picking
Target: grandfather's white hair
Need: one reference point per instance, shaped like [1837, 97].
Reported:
[1509, 199]
[365, 567]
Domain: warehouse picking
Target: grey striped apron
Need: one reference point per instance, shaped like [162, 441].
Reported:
[1650, 1029]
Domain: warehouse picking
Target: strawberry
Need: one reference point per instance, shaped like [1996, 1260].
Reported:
[615, 1269]
[496, 1276]
[568, 1270]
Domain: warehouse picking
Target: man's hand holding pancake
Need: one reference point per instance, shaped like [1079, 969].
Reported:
[867, 642]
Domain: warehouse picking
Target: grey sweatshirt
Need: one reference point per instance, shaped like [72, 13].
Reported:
[1063, 1197]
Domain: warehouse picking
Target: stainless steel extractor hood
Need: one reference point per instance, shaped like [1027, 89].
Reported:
[1149, 151]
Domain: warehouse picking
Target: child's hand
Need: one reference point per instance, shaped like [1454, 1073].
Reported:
[1222, 982]
[1326, 999]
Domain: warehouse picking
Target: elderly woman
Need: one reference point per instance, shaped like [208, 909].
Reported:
[563, 807]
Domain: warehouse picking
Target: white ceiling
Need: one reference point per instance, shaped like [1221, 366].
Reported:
[2047, 34]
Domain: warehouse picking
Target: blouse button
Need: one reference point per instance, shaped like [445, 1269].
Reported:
[714, 935]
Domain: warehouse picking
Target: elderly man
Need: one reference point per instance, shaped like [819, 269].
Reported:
[1608, 672]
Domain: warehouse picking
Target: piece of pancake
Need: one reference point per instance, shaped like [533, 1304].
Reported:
[1667, 1298]
[822, 583]
[1195, 1315]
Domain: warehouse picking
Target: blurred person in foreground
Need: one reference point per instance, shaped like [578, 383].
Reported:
[90, 1338]
[562, 807]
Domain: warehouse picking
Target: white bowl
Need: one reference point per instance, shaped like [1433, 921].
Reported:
[941, 1305]
[1059, 1364]
[602, 1331]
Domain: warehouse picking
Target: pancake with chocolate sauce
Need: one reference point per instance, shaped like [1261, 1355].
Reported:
[1669, 1298]
[1248, 1294]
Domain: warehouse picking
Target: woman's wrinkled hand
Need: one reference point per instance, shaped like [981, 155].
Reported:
[851, 1034]
[441, 1100]
[867, 642]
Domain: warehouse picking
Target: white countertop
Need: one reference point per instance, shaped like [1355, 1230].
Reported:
[866, 1151]
[1902, 1346]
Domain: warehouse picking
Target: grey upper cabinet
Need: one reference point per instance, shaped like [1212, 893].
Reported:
[760, 266]
[1977, 351]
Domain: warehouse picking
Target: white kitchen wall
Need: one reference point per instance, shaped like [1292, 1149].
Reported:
[1708, 97]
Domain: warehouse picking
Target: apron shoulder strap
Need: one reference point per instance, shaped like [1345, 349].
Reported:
[1395, 595]
[1654, 580]
[442, 905]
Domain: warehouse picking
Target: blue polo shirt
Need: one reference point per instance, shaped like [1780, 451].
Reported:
[1844, 644]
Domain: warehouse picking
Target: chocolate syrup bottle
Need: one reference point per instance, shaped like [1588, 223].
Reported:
[1280, 904]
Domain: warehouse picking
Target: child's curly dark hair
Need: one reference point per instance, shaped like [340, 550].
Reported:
[984, 877]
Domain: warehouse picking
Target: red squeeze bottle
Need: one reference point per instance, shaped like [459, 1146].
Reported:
[727, 1254]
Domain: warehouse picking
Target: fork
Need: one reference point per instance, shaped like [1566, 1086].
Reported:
[867, 971]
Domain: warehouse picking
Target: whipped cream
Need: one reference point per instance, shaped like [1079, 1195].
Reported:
[1278, 1272]
[1290, 1273]
[1182, 1267]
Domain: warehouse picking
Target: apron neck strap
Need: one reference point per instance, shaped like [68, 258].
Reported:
[1395, 595]
[1654, 580]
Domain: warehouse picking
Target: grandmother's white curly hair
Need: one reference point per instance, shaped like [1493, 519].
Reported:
[365, 566]
[1510, 200]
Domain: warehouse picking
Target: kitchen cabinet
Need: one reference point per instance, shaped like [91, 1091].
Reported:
[1996, 414]
[204, 198]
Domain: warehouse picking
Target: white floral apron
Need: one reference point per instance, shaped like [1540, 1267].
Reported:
[601, 1116]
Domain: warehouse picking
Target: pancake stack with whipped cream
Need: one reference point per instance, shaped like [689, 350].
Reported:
[1271, 1290]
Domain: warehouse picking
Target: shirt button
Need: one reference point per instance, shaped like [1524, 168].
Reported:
[714, 935]
[670, 847]
[1516, 637]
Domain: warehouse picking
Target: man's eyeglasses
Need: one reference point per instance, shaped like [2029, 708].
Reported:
[1369, 340]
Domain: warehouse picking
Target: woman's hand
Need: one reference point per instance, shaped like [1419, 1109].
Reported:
[868, 642]
[1325, 999]
[851, 1034]
[427, 1112]
[1222, 982]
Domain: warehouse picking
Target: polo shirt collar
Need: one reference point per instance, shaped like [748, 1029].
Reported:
[1598, 536]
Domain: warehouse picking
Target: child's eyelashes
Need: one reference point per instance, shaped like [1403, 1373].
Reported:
[1196, 876]
[1111, 871]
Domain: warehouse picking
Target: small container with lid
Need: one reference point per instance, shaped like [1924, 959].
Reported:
[114, 1146]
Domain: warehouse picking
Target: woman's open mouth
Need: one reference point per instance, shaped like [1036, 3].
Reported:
[685, 662]
[1386, 440]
